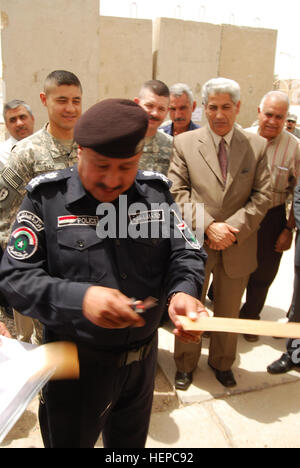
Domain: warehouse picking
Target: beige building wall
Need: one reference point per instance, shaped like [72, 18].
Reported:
[194, 52]
[291, 88]
[186, 52]
[2, 132]
[125, 56]
[114, 56]
[40, 36]
[247, 55]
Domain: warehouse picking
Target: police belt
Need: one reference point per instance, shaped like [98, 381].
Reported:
[121, 359]
[137, 354]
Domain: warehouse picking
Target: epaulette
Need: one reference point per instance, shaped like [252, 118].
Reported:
[153, 175]
[48, 177]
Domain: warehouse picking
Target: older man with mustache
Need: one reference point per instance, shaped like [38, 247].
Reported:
[181, 108]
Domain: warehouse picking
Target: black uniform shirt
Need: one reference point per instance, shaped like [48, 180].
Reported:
[58, 249]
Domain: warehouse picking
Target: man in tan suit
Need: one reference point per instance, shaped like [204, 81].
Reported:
[225, 169]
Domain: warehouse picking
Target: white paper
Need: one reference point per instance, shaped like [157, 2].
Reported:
[21, 378]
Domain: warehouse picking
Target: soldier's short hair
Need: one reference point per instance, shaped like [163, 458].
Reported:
[60, 78]
[157, 87]
[14, 104]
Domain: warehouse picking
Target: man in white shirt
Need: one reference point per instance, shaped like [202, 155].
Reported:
[19, 122]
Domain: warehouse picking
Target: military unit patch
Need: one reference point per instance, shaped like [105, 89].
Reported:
[3, 194]
[185, 232]
[23, 243]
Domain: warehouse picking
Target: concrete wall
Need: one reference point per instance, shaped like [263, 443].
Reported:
[113, 56]
[125, 56]
[186, 51]
[247, 55]
[40, 36]
[194, 52]
[2, 132]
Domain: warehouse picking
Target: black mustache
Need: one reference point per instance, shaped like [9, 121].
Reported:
[105, 187]
[154, 118]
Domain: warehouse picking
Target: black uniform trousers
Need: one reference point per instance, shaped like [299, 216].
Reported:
[268, 263]
[116, 401]
[293, 345]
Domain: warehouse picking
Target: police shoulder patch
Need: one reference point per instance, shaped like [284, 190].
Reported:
[154, 175]
[49, 177]
[25, 216]
[23, 243]
[185, 232]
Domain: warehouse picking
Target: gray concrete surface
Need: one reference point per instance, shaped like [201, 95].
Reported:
[262, 411]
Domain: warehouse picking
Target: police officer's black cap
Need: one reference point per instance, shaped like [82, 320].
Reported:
[113, 127]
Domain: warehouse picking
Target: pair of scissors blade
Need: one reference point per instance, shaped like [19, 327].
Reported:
[140, 308]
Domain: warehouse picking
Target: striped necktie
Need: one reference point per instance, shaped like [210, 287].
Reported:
[222, 156]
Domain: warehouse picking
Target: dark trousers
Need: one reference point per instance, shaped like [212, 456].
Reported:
[268, 263]
[114, 401]
[293, 345]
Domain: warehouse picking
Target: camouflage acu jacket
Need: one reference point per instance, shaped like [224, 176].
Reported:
[157, 153]
[38, 154]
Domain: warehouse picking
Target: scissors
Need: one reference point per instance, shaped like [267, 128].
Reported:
[140, 307]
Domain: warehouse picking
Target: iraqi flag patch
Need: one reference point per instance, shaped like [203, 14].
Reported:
[74, 220]
[185, 232]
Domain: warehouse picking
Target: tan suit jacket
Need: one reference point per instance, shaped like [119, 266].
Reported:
[242, 202]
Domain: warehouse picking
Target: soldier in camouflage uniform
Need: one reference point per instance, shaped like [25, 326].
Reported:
[47, 150]
[154, 98]
[157, 153]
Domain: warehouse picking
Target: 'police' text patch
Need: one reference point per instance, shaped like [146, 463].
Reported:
[73, 220]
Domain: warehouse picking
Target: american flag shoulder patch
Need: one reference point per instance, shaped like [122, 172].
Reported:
[12, 178]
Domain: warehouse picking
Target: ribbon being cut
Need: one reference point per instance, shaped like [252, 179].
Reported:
[232, 325]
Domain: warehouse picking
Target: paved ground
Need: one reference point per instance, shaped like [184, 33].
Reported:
[262, 411]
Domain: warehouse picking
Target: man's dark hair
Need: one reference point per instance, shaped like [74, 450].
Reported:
[60, 78]
[157, 87]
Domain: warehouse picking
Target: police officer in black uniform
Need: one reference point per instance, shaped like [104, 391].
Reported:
[88, 242]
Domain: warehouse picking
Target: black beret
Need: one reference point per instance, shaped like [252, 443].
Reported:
[114, 127]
